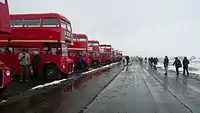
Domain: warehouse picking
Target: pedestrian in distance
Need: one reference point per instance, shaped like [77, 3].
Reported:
[127, 60]
[155, 61]
[185, 65]
[145, 62]
[166, 64]
[24, 59]
[123, 61]
[178, 65]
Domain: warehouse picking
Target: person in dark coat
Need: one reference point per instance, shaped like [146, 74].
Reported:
[127, 60]
[178, 65]
[185, 65]
[80, 61]
[36, 64]
[166, 63]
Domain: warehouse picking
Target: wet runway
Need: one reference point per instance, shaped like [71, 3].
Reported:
[61, 100]
[135, 89]
[140, 90]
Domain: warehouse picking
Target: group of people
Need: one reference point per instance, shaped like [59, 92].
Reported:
[177, 64]
[26, 65]
[152, 61]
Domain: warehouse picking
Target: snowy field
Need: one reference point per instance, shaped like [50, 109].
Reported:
[194, 67]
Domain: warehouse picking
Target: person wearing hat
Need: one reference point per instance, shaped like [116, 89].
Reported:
[24, 59]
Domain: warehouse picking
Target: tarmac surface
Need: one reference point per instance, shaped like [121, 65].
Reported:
[145, 90]
[62, 99]
[134, 89]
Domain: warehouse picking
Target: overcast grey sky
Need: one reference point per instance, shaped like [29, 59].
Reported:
[138, 27]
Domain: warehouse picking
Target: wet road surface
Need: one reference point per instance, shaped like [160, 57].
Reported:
[144, 90]
[60, 100]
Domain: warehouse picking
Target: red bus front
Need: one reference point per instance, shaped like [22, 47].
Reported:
[47, 34]
[80, 47]
[93, 48]
[5, 73]
[106, 53]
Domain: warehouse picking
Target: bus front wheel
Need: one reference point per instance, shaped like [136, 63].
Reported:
[52, 73]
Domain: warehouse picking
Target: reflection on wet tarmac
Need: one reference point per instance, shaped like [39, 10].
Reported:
[64, 99]
[139, 91]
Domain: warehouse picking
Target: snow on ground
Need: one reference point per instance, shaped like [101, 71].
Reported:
[48, 84]
[3, 101]
[59, 81]
[194, 67]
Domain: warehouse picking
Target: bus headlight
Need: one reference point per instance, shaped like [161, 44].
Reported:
[8, 73]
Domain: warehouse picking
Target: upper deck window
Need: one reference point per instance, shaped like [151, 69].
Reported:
[74, 39]
[63, 24]
[108, 47]
[102, 47]
[68, 26]
[31, 22]
[16, 23]
[93, 44]
[50, 22]
[81, 39]
[3, 1]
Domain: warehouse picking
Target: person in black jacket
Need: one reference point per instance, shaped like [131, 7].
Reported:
[166, 63]
[185, 65]
[177, 64]
[36, 64]
[127, 60]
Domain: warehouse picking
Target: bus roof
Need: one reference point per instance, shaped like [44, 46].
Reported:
[105, 45]
[39, 15]
[80, 35]
[93, 41]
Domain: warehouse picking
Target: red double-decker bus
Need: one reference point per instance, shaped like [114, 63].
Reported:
[4, 33]
[93, 48]
[106, 53]
[80, 47]
[48, 34]
[117, 55]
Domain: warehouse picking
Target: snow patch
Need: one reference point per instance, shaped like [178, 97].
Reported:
[59, 81]
[194, 68]
[48, 84]
[4, 101]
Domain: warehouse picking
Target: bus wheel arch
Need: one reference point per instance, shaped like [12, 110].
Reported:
[51, 72]
[95, 63]
[108, 62]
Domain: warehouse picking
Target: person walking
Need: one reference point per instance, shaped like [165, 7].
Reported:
[127, 60]
[36, 64]
[177, 64]
[185, 65]
[24, 59]
[123, 61]
[166, 63]
[155, 61]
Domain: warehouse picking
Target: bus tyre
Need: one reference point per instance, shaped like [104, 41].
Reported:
[2, 91]
[108, 62]
[52, 73]
[96, 64]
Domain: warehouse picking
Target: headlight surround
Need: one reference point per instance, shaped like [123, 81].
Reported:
[8, 73]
